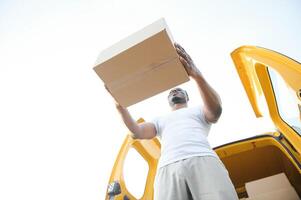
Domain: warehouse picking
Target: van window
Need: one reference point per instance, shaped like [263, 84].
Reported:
[135, 172]
[287, 101]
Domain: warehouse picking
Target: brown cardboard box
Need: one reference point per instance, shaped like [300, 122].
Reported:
[275, 187]
[141, 65]
[281, 194]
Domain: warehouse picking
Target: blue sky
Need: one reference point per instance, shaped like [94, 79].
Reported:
[59, 129]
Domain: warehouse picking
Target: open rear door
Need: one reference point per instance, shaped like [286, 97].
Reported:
[278, 79]
[150, 152]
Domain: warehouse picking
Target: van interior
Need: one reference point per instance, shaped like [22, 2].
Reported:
[258, 158]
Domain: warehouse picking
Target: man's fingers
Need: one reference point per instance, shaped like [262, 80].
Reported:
[184, 62]
[180, 47]
[108, 90]
[180, 51]
[184, 55]
[186, 65]
[116, 102]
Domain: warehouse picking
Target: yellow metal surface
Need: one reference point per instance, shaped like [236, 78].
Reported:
[245, 59]
[150, 151]
[251, 144]
[252, 65]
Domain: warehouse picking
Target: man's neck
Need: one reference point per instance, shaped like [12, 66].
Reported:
[179, 106]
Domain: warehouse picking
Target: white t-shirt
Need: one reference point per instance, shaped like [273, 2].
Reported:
[183, 134]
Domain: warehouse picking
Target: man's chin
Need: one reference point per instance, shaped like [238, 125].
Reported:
[178, 100]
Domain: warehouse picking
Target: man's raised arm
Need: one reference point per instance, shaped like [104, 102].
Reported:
[145, 130]
[212, 102]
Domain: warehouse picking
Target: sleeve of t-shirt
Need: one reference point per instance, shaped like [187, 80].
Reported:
[155, 121]
[202, 116]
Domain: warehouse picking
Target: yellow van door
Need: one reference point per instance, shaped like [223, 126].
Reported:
[150, 152]
[278, 78]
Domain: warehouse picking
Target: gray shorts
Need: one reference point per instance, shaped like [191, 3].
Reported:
[197, 178]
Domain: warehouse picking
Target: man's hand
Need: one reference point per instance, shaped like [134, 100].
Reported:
[115, 101]
[144, 130]
[186, 60]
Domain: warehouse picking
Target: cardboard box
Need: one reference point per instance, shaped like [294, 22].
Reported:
[275, 187]
[281, 194]
[141, 65]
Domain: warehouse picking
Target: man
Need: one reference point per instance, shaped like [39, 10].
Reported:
[188, 167]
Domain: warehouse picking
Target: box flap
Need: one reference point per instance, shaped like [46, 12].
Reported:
[133, 40]
[143, 56]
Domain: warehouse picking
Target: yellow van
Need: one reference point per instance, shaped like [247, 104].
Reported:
[267, 166]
